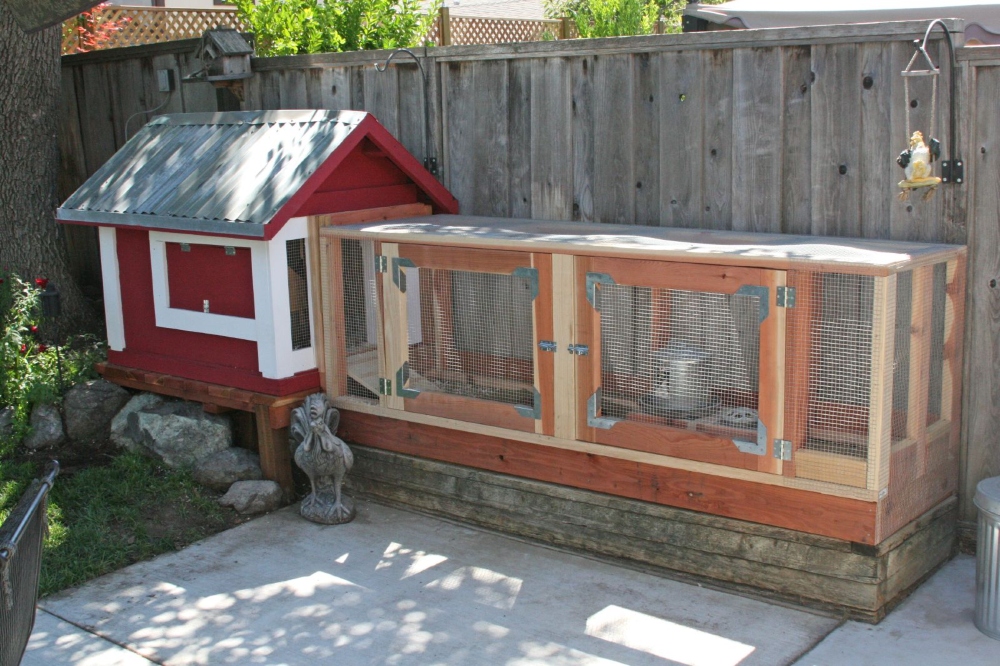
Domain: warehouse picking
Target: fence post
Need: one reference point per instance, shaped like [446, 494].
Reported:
[445, 27]
[564, 27]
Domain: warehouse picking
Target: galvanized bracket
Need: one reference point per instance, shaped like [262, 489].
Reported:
[384, 386]
[398, 276]
[782, 449]
[763, 295]
[547, 345]
[531, 275]
[578, 350]
[381, 263]
[593, 420]
[758, 448]
[594, 279]
[785, 297]
[403, 376]
[533, 412]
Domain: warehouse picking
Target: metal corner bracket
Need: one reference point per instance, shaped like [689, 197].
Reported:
[531, 275]
[594, 279]
[402, 376]
[593, 420]
[763, 295]
[533, 412]
[398, 276]
[757, 448]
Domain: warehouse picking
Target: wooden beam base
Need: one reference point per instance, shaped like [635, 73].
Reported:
[860, 581]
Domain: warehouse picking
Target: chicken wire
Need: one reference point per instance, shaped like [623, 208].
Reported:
[298, 293]
[684, 359]
[361, 318]
[471, 334]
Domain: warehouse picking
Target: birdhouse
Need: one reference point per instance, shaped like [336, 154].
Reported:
[225, 55]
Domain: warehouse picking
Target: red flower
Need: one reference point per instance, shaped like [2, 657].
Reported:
[34, 329]
[41, 283]
[24, 349]
[42, 348]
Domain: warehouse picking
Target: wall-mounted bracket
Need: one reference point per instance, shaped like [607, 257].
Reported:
[403, 376]
[531, 276]
[593, 420]
[757, 448]
[594, 279]
[533, 412]
[952, 171]
[398, 276]
[763, 295]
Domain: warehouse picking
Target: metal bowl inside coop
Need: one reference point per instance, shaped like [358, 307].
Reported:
[683, 384]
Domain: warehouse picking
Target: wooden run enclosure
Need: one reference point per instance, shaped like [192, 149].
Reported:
[791, 131]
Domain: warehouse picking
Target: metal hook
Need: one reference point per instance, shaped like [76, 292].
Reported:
[430, 161]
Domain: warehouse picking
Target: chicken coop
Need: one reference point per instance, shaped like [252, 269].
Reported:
[800, 382]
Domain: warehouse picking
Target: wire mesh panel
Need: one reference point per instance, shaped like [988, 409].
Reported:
[298, 293]
[684, 359]
[361, 318]
[471, 335]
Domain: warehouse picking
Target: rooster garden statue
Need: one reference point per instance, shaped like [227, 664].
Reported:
[324, 457]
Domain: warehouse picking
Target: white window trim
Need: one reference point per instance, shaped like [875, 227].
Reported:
[296, 360]
[113, 316]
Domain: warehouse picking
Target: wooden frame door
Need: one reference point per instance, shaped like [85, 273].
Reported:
[682, 360]
[462, 332]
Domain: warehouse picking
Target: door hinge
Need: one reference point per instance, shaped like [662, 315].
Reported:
[384, 386]
[952, 171]
[381, 263]
[782, 449]
[786, 297]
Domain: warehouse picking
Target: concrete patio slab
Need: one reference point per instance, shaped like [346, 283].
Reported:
[56, 642]
[933, 627]
[395, 587]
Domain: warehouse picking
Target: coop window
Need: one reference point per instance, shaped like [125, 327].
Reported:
[298, 293]
[361, 312]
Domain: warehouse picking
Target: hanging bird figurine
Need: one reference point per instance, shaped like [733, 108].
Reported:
[916, 163]
[324, 457]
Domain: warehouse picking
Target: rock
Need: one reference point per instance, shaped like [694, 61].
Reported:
[179, 433]
[253, 496]
[89, 408]
[221, 470]
[6, 423]
[46, 428]
[119, 424]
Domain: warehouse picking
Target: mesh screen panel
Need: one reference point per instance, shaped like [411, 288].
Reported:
[471, 335]
[19, 573]
[298, 293]
[901, 354]
[361, 318]
[938, 302]
[829, 338]
[684, 359]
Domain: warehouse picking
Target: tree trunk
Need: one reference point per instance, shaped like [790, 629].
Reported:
[32, 244]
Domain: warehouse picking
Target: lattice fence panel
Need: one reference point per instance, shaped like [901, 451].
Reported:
[134, 26]
[472, 30]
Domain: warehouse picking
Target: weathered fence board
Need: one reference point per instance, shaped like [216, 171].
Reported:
[728, 129]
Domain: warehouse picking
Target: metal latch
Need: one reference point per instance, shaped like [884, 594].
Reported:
[782, 449]
[579, 350]
[381, 263]
[786, 297]
[547, 345]
[384, 386]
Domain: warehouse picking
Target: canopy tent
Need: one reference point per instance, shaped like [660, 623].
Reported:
[982, 18]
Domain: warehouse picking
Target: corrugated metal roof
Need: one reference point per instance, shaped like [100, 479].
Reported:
[210, 171]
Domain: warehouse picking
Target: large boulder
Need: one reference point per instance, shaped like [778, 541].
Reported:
[179, 433]
[89, 407]
[221, 470]
[46, 428]
[119, 425]
[249, 497]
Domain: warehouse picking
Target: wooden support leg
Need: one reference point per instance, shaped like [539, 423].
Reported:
[272, 443]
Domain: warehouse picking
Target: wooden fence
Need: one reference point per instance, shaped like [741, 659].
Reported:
[786, 130]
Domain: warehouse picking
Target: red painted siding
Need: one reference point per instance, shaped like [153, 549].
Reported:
[207, 273]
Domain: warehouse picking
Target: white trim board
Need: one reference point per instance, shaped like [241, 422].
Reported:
[113, 316]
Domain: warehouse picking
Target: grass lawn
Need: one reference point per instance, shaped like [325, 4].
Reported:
[109, 509]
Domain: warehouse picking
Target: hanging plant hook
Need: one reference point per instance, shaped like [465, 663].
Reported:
[430, 161]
